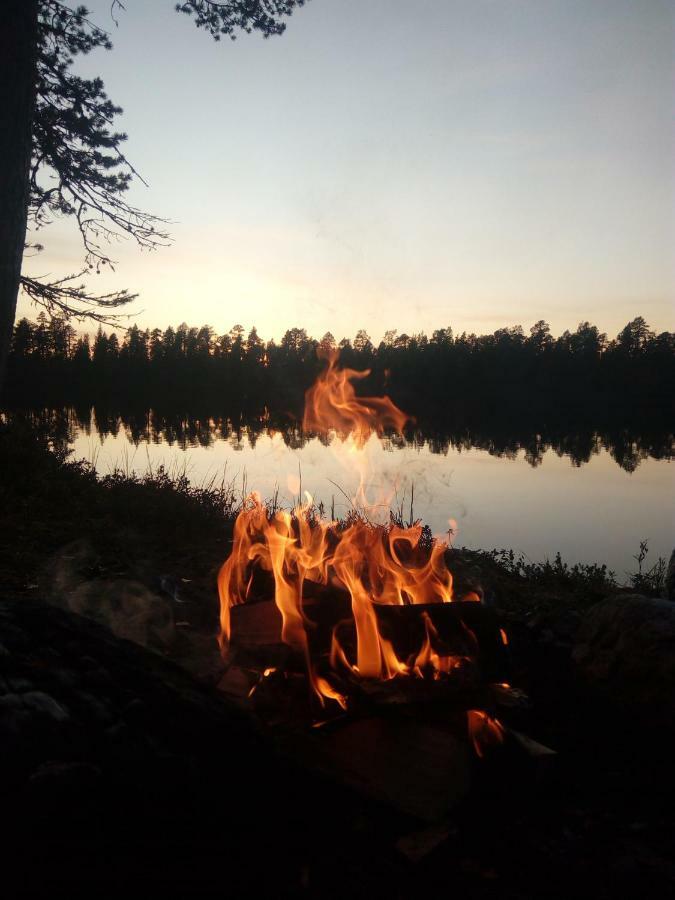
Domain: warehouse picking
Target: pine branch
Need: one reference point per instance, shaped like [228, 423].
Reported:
[62, 297]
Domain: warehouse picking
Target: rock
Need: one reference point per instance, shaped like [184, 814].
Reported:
[566, 625]
[13, 716]
[22, 707]
[135, 712]
[64, 775]
[18, 685]
[42, 703]
[91, 707]
[625, 652]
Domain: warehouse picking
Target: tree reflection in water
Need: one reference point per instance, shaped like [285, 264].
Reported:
[505, 437]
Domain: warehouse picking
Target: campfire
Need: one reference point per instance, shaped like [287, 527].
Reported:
[332, 621]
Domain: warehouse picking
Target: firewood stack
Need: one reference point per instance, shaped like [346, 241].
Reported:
[415, 743]
[350, 642]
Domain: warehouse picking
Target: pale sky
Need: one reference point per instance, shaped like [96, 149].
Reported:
[396, 164]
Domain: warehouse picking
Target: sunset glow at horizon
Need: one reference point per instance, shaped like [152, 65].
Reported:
[388, 165]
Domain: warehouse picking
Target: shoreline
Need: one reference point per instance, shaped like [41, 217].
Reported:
[155, 525]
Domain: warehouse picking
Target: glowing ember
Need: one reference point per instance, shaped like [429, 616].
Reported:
[484, 731]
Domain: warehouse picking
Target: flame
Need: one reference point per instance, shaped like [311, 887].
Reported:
[331, 404]
[332, 407]
[232, 579]
[428, 659]
[485, 732]
[375, 565]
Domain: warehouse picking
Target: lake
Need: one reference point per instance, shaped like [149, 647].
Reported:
[590, 496]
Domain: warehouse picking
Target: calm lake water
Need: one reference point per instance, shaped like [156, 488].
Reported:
[592, 497]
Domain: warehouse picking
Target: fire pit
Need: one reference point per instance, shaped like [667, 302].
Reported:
[350, 636]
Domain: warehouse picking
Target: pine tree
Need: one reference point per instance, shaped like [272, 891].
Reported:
[61, 155]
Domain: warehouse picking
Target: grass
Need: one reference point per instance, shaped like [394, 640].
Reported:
[650, 581]
[139, 525]
[147, 525]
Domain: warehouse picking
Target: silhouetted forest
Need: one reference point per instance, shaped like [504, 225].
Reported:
[502, 436]
[634, 372]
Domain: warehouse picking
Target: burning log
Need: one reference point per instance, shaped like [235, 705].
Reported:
[535, 750]
[466, 632]
[256, 625]
[508, 697]
[355, 627]
[237, 683]
[466, 629]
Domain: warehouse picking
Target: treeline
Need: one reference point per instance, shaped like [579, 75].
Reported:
[637, 366]
[504, 437]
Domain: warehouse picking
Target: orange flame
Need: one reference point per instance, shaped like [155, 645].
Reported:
[374, 565]
[428, 659]
[484, 731]
[233, 582]
[331, 404]
[362, 558]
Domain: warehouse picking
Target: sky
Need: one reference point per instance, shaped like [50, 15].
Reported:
[388, 164]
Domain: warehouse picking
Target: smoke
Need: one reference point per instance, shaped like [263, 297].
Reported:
[76, 581]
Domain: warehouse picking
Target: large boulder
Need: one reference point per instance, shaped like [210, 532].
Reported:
[120, 774]
[625, 652]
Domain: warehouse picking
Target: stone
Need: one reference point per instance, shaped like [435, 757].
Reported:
[18, 684]
[91, 707]
[625, 652]
[566, 625]
[40, 702]
[64, 774]
[15, 719]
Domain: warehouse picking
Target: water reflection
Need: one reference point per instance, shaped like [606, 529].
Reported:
[591, 490]
[628, 446]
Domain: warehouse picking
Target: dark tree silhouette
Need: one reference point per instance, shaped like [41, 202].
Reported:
[61, 155]
[581, 371]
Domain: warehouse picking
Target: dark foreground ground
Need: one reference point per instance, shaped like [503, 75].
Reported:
[123, 774]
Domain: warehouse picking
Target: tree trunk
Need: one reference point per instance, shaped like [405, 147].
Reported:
[18, 74]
